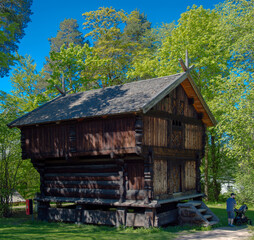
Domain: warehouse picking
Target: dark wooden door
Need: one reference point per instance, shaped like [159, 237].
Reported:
[174, 176]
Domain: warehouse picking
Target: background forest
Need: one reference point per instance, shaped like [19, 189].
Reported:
[121, 47]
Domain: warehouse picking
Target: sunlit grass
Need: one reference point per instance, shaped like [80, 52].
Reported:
[21, 227]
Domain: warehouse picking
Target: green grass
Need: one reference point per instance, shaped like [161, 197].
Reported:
[219, 210]
[22, 227]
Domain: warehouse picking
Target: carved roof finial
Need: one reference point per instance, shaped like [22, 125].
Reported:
[187, 59]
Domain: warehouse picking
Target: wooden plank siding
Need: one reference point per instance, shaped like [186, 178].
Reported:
[97, 136]
[173, 176]
[173, 123]
[174, 131]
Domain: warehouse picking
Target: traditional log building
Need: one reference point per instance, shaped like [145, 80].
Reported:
[122, 155]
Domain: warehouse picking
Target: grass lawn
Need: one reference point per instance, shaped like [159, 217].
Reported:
[21, 226]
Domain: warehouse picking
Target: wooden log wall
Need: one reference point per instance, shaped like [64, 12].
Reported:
[98, 180]
[96, 136]
[95, 179]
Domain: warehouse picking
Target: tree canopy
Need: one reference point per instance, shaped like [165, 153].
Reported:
[14, 17]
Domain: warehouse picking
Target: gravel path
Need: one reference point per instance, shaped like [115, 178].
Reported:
[223, 233]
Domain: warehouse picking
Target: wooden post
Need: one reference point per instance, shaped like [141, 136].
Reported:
[198, 174]
[122, 191]
[43, 210]
[149, 217]
[120, 217]
[148, 168]
[40, 167]
[79, 209]
[139, 134]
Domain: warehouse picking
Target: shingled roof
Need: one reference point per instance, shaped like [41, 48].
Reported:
[139, 96]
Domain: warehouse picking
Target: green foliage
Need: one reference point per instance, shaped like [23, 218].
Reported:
[6, 57]
[10, 159]
[237, 25]
[26, 95]
[114, 46]
[74, 67]
[67, 34]
[14, 17]
[27, 84]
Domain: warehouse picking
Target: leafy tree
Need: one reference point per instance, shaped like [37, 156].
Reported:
[73, 68]
[14, 17]
[237, 25]
[10, 153]
[236, 128]
[25, 96]
[28, 88]
[116, 47]
[67, 34]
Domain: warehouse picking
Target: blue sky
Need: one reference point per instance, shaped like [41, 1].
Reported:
[47, 15]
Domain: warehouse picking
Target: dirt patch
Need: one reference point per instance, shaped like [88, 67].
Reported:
[223, 233]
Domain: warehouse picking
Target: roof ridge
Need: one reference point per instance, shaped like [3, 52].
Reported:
[128, 83]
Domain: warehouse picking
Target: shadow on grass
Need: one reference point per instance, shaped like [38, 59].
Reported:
[21, 227]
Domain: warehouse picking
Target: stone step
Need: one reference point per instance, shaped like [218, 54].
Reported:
[195, 204]
[202, 210]
[208, 216]
[213, 222]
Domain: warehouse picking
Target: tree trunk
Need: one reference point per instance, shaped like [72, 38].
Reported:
[215, 168]
[206, 185]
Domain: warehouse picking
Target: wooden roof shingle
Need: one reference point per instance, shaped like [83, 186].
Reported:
[139, 96]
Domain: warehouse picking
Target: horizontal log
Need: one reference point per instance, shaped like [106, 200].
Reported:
[61, 214]
[89, 165]
[135, 194]
[81, 170]
[81, 174]
[82, 193]
[76, 190]
[78, 154]
[98, 201]
[164, 151]
[99, 217]
[83, 178]
[166, 115]
[82, 184]
[103, 152]
[56, 162]
[114, 183]
[168, 217]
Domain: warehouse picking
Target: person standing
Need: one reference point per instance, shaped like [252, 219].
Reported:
[231, 204]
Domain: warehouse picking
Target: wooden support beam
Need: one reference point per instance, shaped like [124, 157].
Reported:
[139, 134]
[122, 191]
[149, 218]
[121, 217]
[148, 177]
[79, 210]
[43, 210]
[170, 116]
